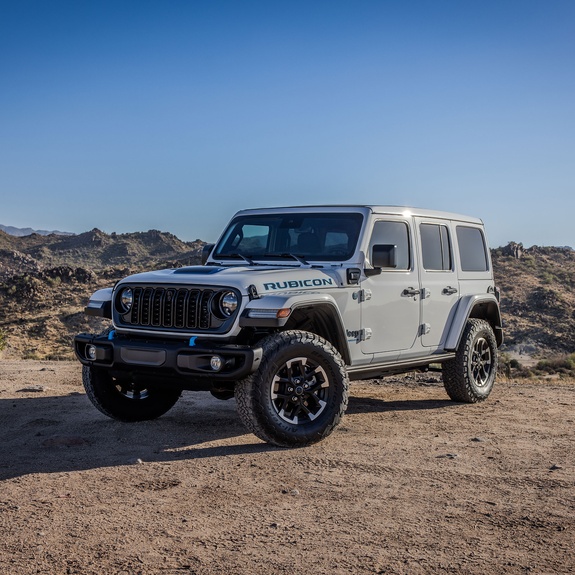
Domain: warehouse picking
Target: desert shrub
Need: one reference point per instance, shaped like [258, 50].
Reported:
[511, 366]
[523, 372]
[547, 278]
[54, 282]
[560, 364]
[555, 364]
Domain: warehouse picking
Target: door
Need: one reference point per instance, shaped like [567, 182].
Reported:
[391, 302]
[439, 283]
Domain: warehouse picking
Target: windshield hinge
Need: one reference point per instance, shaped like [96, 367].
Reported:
[253, 292]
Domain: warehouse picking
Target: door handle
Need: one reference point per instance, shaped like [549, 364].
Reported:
[449, 290]
[411, 291]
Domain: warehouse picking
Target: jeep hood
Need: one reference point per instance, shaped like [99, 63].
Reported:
[267, 280]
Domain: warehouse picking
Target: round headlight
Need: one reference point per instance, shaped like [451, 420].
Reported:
[126, 299]
[228, 303]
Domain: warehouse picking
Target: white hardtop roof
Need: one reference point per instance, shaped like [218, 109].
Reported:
[405, 211]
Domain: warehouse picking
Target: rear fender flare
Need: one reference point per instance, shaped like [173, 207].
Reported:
[484, 306]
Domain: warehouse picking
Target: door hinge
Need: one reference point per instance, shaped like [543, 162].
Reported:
[365, 334]
[362, 295]
[424, 328]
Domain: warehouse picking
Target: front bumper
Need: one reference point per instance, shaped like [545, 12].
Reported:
[168, 358]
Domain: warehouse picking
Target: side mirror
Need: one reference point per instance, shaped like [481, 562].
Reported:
[384, 256]
[206, 251]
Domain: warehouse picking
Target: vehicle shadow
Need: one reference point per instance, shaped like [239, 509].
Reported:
[52, 434]
[66, 433]
[369, 405]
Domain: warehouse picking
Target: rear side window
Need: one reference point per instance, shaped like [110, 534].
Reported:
[435, 247]
[395, 234]
[472, 249]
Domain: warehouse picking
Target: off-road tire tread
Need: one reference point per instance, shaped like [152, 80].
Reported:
[250, 408]
[456, 380]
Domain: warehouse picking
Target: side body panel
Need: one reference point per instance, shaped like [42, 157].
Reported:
[390, 310]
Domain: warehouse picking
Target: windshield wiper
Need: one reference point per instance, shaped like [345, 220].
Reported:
[243, 257]
[289, 255]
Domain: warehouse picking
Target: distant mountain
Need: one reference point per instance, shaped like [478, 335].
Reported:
[29, 231]
[95, 250]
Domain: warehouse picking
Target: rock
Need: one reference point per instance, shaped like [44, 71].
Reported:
[290, 491]
[33, 389]
[513, 249]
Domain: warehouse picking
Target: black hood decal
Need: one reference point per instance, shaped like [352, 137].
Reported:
[199, 270]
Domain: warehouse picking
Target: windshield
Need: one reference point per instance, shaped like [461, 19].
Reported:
[320, 237]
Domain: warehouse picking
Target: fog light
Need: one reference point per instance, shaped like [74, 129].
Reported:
[216, 363]
[91, 352]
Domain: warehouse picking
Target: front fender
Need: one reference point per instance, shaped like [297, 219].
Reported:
[275, 311]
[268, 310]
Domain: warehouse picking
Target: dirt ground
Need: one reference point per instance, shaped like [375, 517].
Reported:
[409, 483]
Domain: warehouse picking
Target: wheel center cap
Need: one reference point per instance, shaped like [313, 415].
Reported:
[299, 390]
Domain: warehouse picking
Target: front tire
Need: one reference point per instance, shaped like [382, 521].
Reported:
[125, 400]
[298, 394]
[470, 376]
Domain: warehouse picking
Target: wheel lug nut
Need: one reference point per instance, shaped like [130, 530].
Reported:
[294, 398]
[290, 389]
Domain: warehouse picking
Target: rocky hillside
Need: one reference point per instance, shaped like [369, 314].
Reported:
[538, 297]
[93, 250]
[45, 281]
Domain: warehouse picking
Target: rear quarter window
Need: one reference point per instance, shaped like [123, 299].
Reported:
[435, 247]
[472, 249]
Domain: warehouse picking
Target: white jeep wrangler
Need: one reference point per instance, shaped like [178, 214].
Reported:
[292, 303]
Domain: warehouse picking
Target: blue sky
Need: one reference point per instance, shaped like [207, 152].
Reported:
[172, 115]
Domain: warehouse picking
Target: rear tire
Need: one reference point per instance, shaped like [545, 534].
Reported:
[298, 394]
[124, 400]
[470, 376]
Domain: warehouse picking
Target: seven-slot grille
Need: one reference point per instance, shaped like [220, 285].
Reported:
[178, 308]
